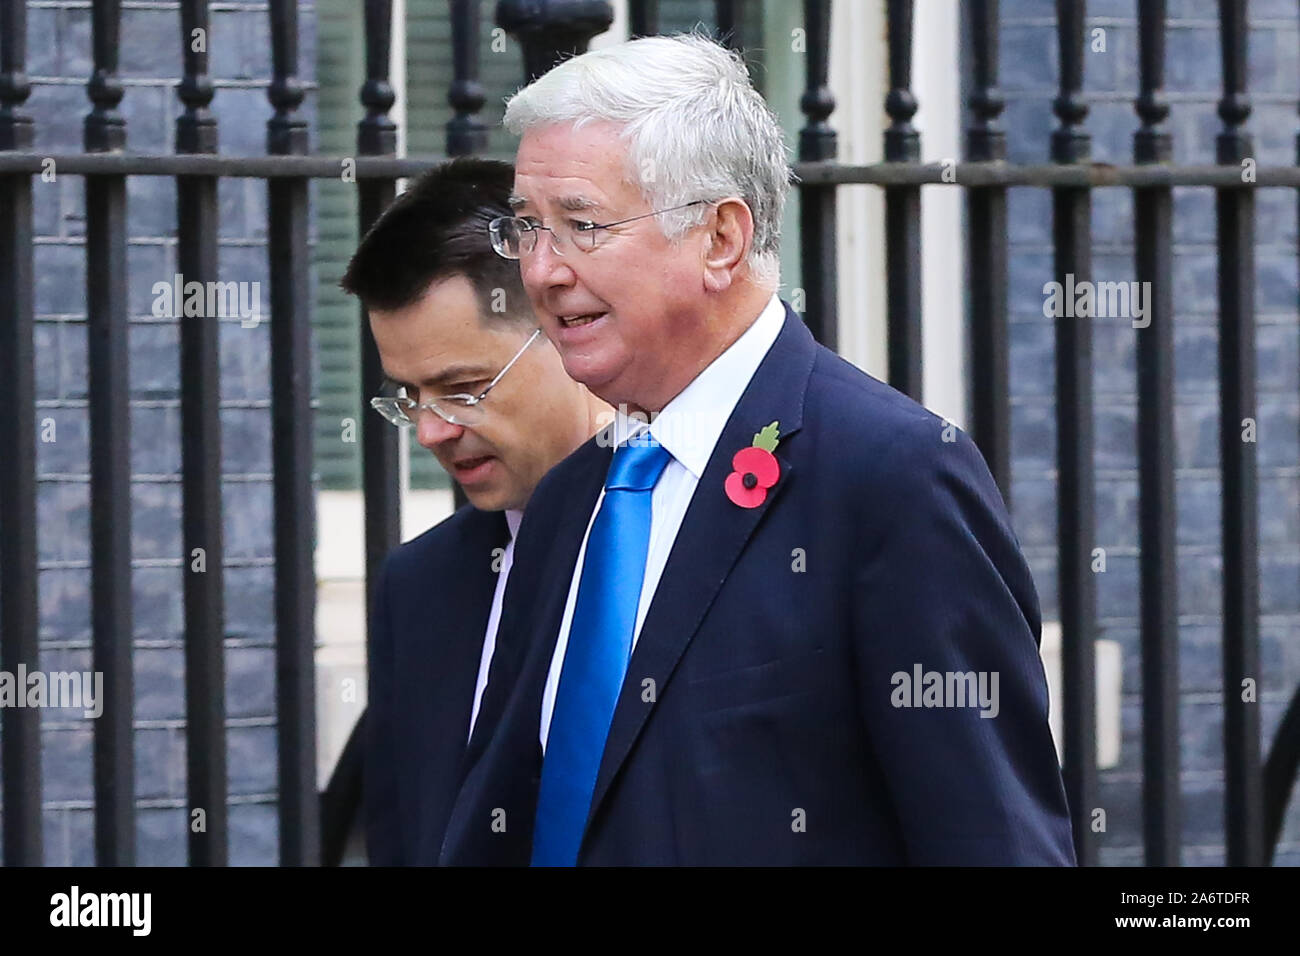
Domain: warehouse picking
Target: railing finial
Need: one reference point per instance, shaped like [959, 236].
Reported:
[16, 128]
[286, 133]
[1071, 143]
[902, 141]
[196, 127]
[985, 139]
[105, 127]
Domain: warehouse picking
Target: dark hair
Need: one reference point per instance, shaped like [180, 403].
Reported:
[437, 229]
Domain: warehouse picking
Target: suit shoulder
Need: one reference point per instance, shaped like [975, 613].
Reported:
[557, 483]
[467, 527]
[858, 398]
[880, 432]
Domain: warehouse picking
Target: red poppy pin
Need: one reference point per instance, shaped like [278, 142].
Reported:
[756, 470]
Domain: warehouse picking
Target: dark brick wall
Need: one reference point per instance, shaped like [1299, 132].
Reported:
[1029, 72]
[59, 64]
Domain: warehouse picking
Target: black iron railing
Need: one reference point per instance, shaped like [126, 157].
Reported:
[312, 831]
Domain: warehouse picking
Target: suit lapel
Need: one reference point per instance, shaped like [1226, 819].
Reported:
[467, 582]
[713, 534]
[464, 582]
[505, 748]
[534, 606]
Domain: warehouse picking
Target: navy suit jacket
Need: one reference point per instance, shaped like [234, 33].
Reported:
[761, 718]
[428, 620]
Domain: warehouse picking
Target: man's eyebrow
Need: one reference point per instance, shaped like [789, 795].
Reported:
[567, 203]
[576, 203]
[466, 372]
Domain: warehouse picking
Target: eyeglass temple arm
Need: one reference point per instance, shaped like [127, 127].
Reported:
[492, 384]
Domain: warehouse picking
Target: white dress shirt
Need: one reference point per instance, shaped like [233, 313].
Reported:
[689, 428]
[494, 618]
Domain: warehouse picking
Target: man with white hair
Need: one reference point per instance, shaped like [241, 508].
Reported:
[788, 622]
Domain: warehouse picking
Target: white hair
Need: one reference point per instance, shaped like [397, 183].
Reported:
[694, 125]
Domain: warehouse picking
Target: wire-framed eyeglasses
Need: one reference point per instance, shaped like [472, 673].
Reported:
[462, 409]
[514, 237]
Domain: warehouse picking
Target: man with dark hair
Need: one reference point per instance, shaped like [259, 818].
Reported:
[450, 319]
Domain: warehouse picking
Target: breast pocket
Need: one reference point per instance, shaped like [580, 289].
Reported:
[798, 675]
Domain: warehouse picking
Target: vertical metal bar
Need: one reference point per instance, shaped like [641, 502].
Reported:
[549, 32]
[1071, 237]
[986, 251]
[902, 212]
[291, 448]
[466, 132]
[377, 136]
[1243, 803]
[643, 18]
[20, 744]
[817, 212]
[205, 704]
[1158, 515]
[110, 453]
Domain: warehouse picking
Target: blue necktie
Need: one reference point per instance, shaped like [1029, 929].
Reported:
[600, 643]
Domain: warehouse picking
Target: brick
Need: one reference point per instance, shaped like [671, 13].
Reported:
[63, 521]
[159, 763]
[246, 439]
[250, 682]
[250, 602]
[155, 359]
[149, 44]
[248, 513]
[159, 683]
[156, 520]
[60, 287]
[155, 440]
[254, 835]
[251, 755]
[158, 603]
[67, 764]
[63, 600]
[74, 42]
[161, 836]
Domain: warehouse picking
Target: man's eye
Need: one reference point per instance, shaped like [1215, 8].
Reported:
[581, 225]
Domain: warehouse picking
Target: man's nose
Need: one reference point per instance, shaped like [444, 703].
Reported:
[544, 268]
[432, 429]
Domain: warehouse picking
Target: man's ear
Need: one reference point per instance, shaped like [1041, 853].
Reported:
[731, 233]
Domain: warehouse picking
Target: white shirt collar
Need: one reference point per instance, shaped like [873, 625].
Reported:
[690, 424]
[513, 517]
